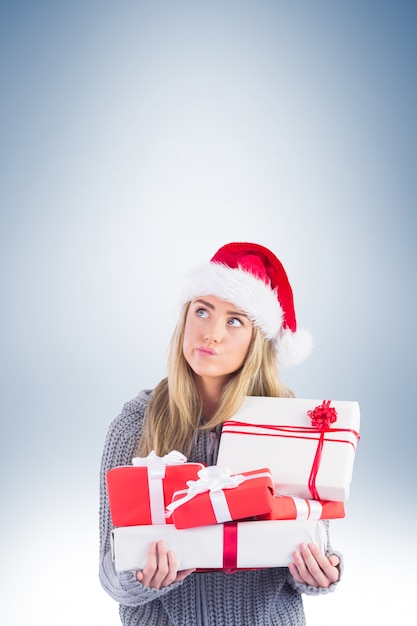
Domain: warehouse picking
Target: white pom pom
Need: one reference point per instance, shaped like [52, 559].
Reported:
[293, 348]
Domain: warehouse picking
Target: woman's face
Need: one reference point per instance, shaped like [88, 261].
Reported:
[217, 336]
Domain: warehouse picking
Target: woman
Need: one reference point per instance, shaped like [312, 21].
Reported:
[238, 324]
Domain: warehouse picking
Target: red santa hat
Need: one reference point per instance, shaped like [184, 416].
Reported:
[254, 280]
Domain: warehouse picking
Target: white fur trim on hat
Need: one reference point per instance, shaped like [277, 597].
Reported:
[240, 288]
[260, 303]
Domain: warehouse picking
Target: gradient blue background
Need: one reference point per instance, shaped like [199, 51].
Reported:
[136, 139]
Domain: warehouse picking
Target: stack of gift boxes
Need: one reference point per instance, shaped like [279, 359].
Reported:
[283, 466]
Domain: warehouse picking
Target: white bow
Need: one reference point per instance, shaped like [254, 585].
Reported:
[157, 464]
[213, 479]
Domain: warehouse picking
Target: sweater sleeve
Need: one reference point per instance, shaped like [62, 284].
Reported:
[120, 443]
[307, 589]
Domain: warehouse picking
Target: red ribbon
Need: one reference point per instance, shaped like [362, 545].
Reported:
[321, 417]
[230, 546]
[294, 432]
[229, 552]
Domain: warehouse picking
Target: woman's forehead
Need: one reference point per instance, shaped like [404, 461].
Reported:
[215, 303]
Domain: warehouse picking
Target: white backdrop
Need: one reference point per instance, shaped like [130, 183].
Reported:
[136, 139]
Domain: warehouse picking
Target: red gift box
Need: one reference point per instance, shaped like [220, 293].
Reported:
[291, 507]
[139, 493]
[217, 497]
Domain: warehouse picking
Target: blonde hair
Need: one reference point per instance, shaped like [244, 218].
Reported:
[174, 411]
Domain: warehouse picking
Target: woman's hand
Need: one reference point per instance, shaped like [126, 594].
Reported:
[161, 568]
[312, 567]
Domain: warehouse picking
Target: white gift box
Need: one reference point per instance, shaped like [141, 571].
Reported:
[218, 546]
[305, 461]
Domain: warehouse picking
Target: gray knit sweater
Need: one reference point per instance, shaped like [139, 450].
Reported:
[248, 598]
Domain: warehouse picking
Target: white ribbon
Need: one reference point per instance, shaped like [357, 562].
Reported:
[156, 466]
[316, 509]
[213, 479]
[302, 508]
[306, 509]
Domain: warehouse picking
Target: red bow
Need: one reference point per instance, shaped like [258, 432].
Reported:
[323, 415]
[321, 418]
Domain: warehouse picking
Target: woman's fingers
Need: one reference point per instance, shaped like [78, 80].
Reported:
[161, 568]
[312, 567]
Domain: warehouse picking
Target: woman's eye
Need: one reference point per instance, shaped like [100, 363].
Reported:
[235, 321]
[201, 313]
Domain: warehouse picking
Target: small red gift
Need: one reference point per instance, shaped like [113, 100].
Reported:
[218, 497]
[292, 507]
[139, 493]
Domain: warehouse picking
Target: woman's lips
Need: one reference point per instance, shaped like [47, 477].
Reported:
[206, 351]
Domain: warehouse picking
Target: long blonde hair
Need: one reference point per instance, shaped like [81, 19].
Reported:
[174, 410]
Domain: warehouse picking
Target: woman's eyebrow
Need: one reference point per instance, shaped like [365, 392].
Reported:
[241, 313]
[208, 304]
[211, 306]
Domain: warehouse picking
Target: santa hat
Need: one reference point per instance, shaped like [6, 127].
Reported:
[254, 280]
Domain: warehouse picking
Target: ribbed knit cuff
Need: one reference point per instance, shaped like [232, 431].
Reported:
[133, 587]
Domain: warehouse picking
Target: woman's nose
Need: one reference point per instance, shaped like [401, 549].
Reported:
[214, 332]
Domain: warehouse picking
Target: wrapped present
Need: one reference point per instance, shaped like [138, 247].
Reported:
[139, 493]
[291, 507]
[309, 445]
[234, 545]
[217, 496]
